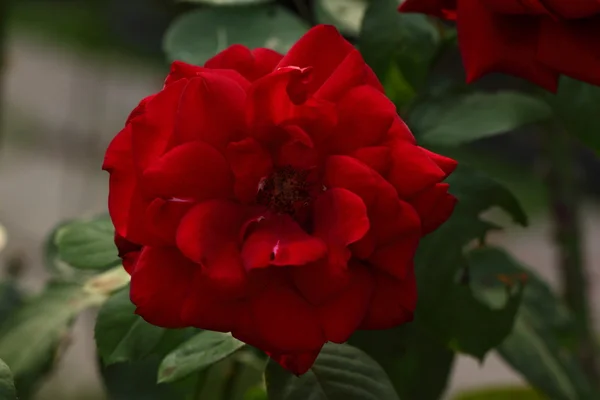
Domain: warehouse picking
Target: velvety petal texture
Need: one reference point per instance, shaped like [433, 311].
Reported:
[538, 40]
[277, 197]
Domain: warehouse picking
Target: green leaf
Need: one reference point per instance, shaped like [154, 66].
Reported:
[88, 244]
[7, 385]
[10, 300]
[34, 332]
[341, 372]
[121, 335]
[136, 380]
[400, 48]
[227, 2]
[454, 121]
[201, 351]
[199, 35]
[577, 105]
[534, 348]
[410, 356]
[346, 15]
[448, 309]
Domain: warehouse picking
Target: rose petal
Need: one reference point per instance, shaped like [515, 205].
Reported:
[209, 235]
[160, 284]
[412, 169]
[492, 42]
[434, 205]
[278, 240]
[342, 315]
[194, 170]
[250, 64]
[320, 280]
[393, 302]
[250, 163]
[210, 109]
[321, 48]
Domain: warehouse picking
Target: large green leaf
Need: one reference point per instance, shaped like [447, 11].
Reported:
[448, 309]
[346, 15]
[7, 385]
[410, 356]
[87, 244]
[341, 372]
[36, 330]
[454, 121]
[577, 105]
[198, 35]
[228, 2]
[121, 335]
[201, 351]
[534, 348]
[400, 48]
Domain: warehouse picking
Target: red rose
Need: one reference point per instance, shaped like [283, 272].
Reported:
[280, 198]
[535, 39]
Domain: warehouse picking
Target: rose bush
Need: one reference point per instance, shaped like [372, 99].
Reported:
[538, 40]
[279, 198]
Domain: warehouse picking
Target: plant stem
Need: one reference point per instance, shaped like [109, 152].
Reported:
[563, 182]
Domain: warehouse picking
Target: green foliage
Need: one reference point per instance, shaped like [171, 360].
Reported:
[345, 15]
[121, 335]
[227, 2]
[341, 372]
[254, 26]
[577, 106]
[201, 351]
[455, 120]
[7, 386]
[400, 48]
[87, 244]
[535, 348]
[447, 308]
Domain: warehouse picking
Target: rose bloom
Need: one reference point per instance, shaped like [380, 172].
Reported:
[534, 39]
[279, 198]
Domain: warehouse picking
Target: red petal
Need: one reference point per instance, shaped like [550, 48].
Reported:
[193, 170]
[208, 235]
[321, 48]
[181, 70]
[446, 164]
[297, 364]
[340, 218]
[163, 218]
[153, 131]
[208, 307]
[118, 162]
[574, 9]
[393, 302]
[352, 72]
[400, 131]
[297, 151]
[250, 163]
[391, 218]
[160, 284]
[434, 205]
[396, 258]
[412, 169]
[572, 47]
[278, 240]
[251, 64]
[286, 322]
[320, 280]
[341, 316]
[365, 116]
[210, 109]
[492, 42]
[379, 158]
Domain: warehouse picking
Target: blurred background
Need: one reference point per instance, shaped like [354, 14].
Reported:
[74, 69]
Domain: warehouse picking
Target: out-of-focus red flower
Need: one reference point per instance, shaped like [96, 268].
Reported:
[538, 40]
[280, 198]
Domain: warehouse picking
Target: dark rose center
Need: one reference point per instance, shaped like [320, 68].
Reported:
[285, 191]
